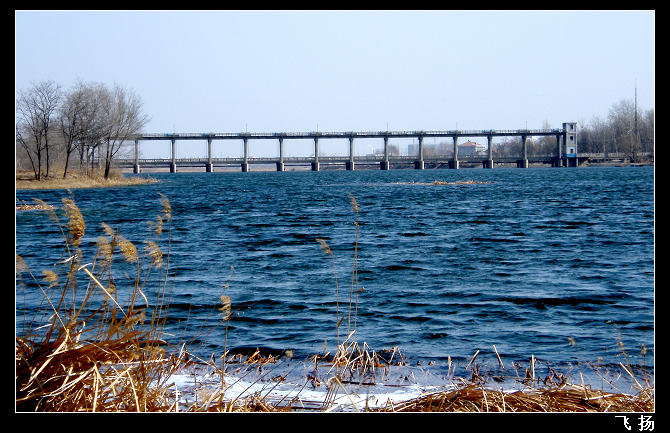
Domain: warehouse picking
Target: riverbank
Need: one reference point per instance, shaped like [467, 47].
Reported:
[26, 180]
[304, 168]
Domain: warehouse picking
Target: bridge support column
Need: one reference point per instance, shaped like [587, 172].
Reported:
[245, 163]
[350, 163]
[173, 163]
[384, 165]
[136, 165]
[558, 161]
[523, 163]
[280, 166]
[489, 162]
[419, 164]
[315, 163]
[454, 164]
[209, 167]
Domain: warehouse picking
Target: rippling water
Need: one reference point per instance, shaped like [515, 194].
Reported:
[529, 260]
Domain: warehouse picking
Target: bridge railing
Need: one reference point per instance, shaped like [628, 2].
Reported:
[343, 134]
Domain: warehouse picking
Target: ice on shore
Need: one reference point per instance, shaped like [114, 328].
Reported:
[306, 390]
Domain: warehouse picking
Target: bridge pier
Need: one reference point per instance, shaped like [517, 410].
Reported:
[173, 163]
[558, 161]
[489, 162]
[245, 163]
[209, 167]
[350, 163]
[523, 162]
[384, 165]
[315, 163]
[454, 163]
[419, 164]
[136, 165]
[280, 166]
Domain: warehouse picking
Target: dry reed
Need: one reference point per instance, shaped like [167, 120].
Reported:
[95, 354]
[566, 398]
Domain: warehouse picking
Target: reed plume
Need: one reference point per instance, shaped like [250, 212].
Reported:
[225, 307]
[128, 250]
[167, 208]
[76, 223]
[155, 253]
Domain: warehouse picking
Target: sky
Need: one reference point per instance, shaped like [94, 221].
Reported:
[298, 71]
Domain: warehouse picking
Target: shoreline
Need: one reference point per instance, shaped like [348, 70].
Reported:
[28, 182]
[125, 177]
[271, 168]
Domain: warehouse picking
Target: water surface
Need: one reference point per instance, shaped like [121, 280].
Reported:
[554, 263]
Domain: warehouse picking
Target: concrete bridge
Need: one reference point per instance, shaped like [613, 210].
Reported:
[565, 154]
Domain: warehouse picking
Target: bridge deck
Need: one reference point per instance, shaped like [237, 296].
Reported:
[348, 134]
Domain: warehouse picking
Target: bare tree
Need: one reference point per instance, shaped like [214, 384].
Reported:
[622, 120]
[71, 116]
[647, 130]
[35, 109]
[81, 122]
[122, 110]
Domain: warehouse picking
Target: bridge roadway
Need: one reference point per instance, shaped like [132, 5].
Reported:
[559, 159]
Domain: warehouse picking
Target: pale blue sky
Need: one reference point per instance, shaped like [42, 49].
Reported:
[268, 71]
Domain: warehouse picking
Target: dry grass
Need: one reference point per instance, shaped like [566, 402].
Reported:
[98, 352]
[74, 180]
[565, 398]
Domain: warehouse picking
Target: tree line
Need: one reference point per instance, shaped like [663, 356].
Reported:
[70, 127]
[625, 129]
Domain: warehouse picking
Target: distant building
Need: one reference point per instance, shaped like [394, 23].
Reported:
[471, 148]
